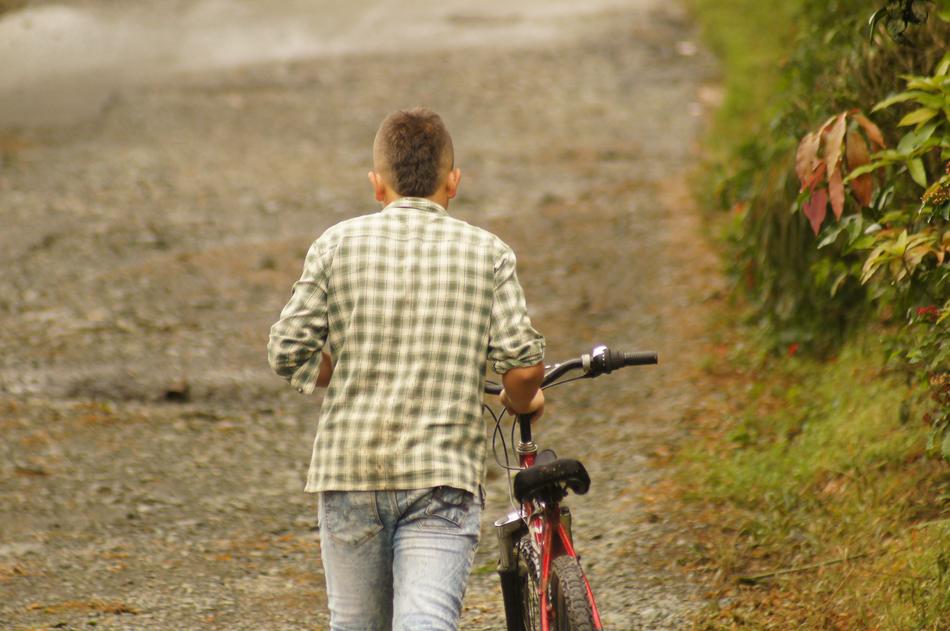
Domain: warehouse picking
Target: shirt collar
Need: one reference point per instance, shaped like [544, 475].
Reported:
[417, 203]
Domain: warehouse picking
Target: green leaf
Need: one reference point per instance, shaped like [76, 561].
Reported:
[931, 84]
[934, 101]
[900, 245]
[838, 282]
[912, 140]
[925, 132]
[894, 216]
[865, 168]
[854, 224]
[831, 235]
[945, 446]
[916, 117]
[944, 66]
[873, 262]
[917, 173]
[883, 198]
[864, 242]
[927, 145]
[888, 155]
[897, 98]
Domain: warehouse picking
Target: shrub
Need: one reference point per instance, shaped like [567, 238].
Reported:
[806, 295]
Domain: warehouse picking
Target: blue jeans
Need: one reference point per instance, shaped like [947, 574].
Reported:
[397, 560]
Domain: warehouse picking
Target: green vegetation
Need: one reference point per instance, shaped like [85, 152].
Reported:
[832, 154]
[753, 63]
[823, 509]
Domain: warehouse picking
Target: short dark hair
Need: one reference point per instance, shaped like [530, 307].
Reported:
[415, 149]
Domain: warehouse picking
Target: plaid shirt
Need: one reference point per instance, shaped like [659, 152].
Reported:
[411, 304]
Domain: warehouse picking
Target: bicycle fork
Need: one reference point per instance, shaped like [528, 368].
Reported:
[509, 530]
[554, 534]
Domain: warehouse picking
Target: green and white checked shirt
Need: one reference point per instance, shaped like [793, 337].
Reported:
[411, 304]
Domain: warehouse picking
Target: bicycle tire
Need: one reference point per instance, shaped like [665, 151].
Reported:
[528, 574]
[567, 592]
[572, 610]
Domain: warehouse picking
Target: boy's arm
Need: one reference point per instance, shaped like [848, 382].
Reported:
[522, 393]
[515, 348]
[297, 338]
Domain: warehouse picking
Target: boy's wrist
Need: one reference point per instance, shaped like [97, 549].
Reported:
[520, 407]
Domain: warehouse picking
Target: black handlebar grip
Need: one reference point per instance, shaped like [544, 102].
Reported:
[614, 360]
[639, 359]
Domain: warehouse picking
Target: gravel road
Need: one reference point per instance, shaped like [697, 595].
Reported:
[156, 208]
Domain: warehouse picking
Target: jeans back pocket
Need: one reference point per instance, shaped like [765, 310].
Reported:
[349, 517]
[449, 507]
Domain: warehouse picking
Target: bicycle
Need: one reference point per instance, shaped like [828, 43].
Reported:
[543, 585]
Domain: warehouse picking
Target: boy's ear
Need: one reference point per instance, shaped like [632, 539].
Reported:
[379, 187]
[452, 182]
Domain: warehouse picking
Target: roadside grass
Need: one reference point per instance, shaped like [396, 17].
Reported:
[815, 501]
[750, 39]
[819, 507]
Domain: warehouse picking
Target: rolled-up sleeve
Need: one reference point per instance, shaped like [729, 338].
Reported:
[513, 342]
[297, 338]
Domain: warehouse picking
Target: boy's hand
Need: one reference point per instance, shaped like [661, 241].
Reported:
[535, 408]
[326, 371]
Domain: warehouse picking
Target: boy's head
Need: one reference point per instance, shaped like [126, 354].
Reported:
[413, 157]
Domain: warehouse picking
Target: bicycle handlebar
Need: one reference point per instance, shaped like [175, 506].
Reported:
[600, 361]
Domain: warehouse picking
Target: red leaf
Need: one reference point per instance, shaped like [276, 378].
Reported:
[815, 177]
[872, 130]
[836, 191]
[806, 158]
[863, 189]
[816, 208]
[833, 139]
[856, 152]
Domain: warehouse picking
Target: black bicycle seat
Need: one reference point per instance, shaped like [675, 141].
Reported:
[551, 478]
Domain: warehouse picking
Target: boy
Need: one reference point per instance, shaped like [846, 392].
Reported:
[397, 314]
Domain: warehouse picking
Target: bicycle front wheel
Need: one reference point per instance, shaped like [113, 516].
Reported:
[571, 607]
[529, 571]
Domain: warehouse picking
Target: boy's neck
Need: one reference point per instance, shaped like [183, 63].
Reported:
[444, 192]
[440, 198]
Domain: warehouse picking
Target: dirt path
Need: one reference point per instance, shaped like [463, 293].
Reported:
[151, 467]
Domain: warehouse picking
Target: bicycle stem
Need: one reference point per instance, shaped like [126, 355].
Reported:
[527, 446]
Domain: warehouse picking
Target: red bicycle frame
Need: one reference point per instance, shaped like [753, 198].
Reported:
[540, 511]
[543, 525]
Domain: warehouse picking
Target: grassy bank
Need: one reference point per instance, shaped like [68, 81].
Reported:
[820, 508]
[819, 505]
[752, 40]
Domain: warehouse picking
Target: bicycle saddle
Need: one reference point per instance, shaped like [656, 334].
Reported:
[551, 478]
